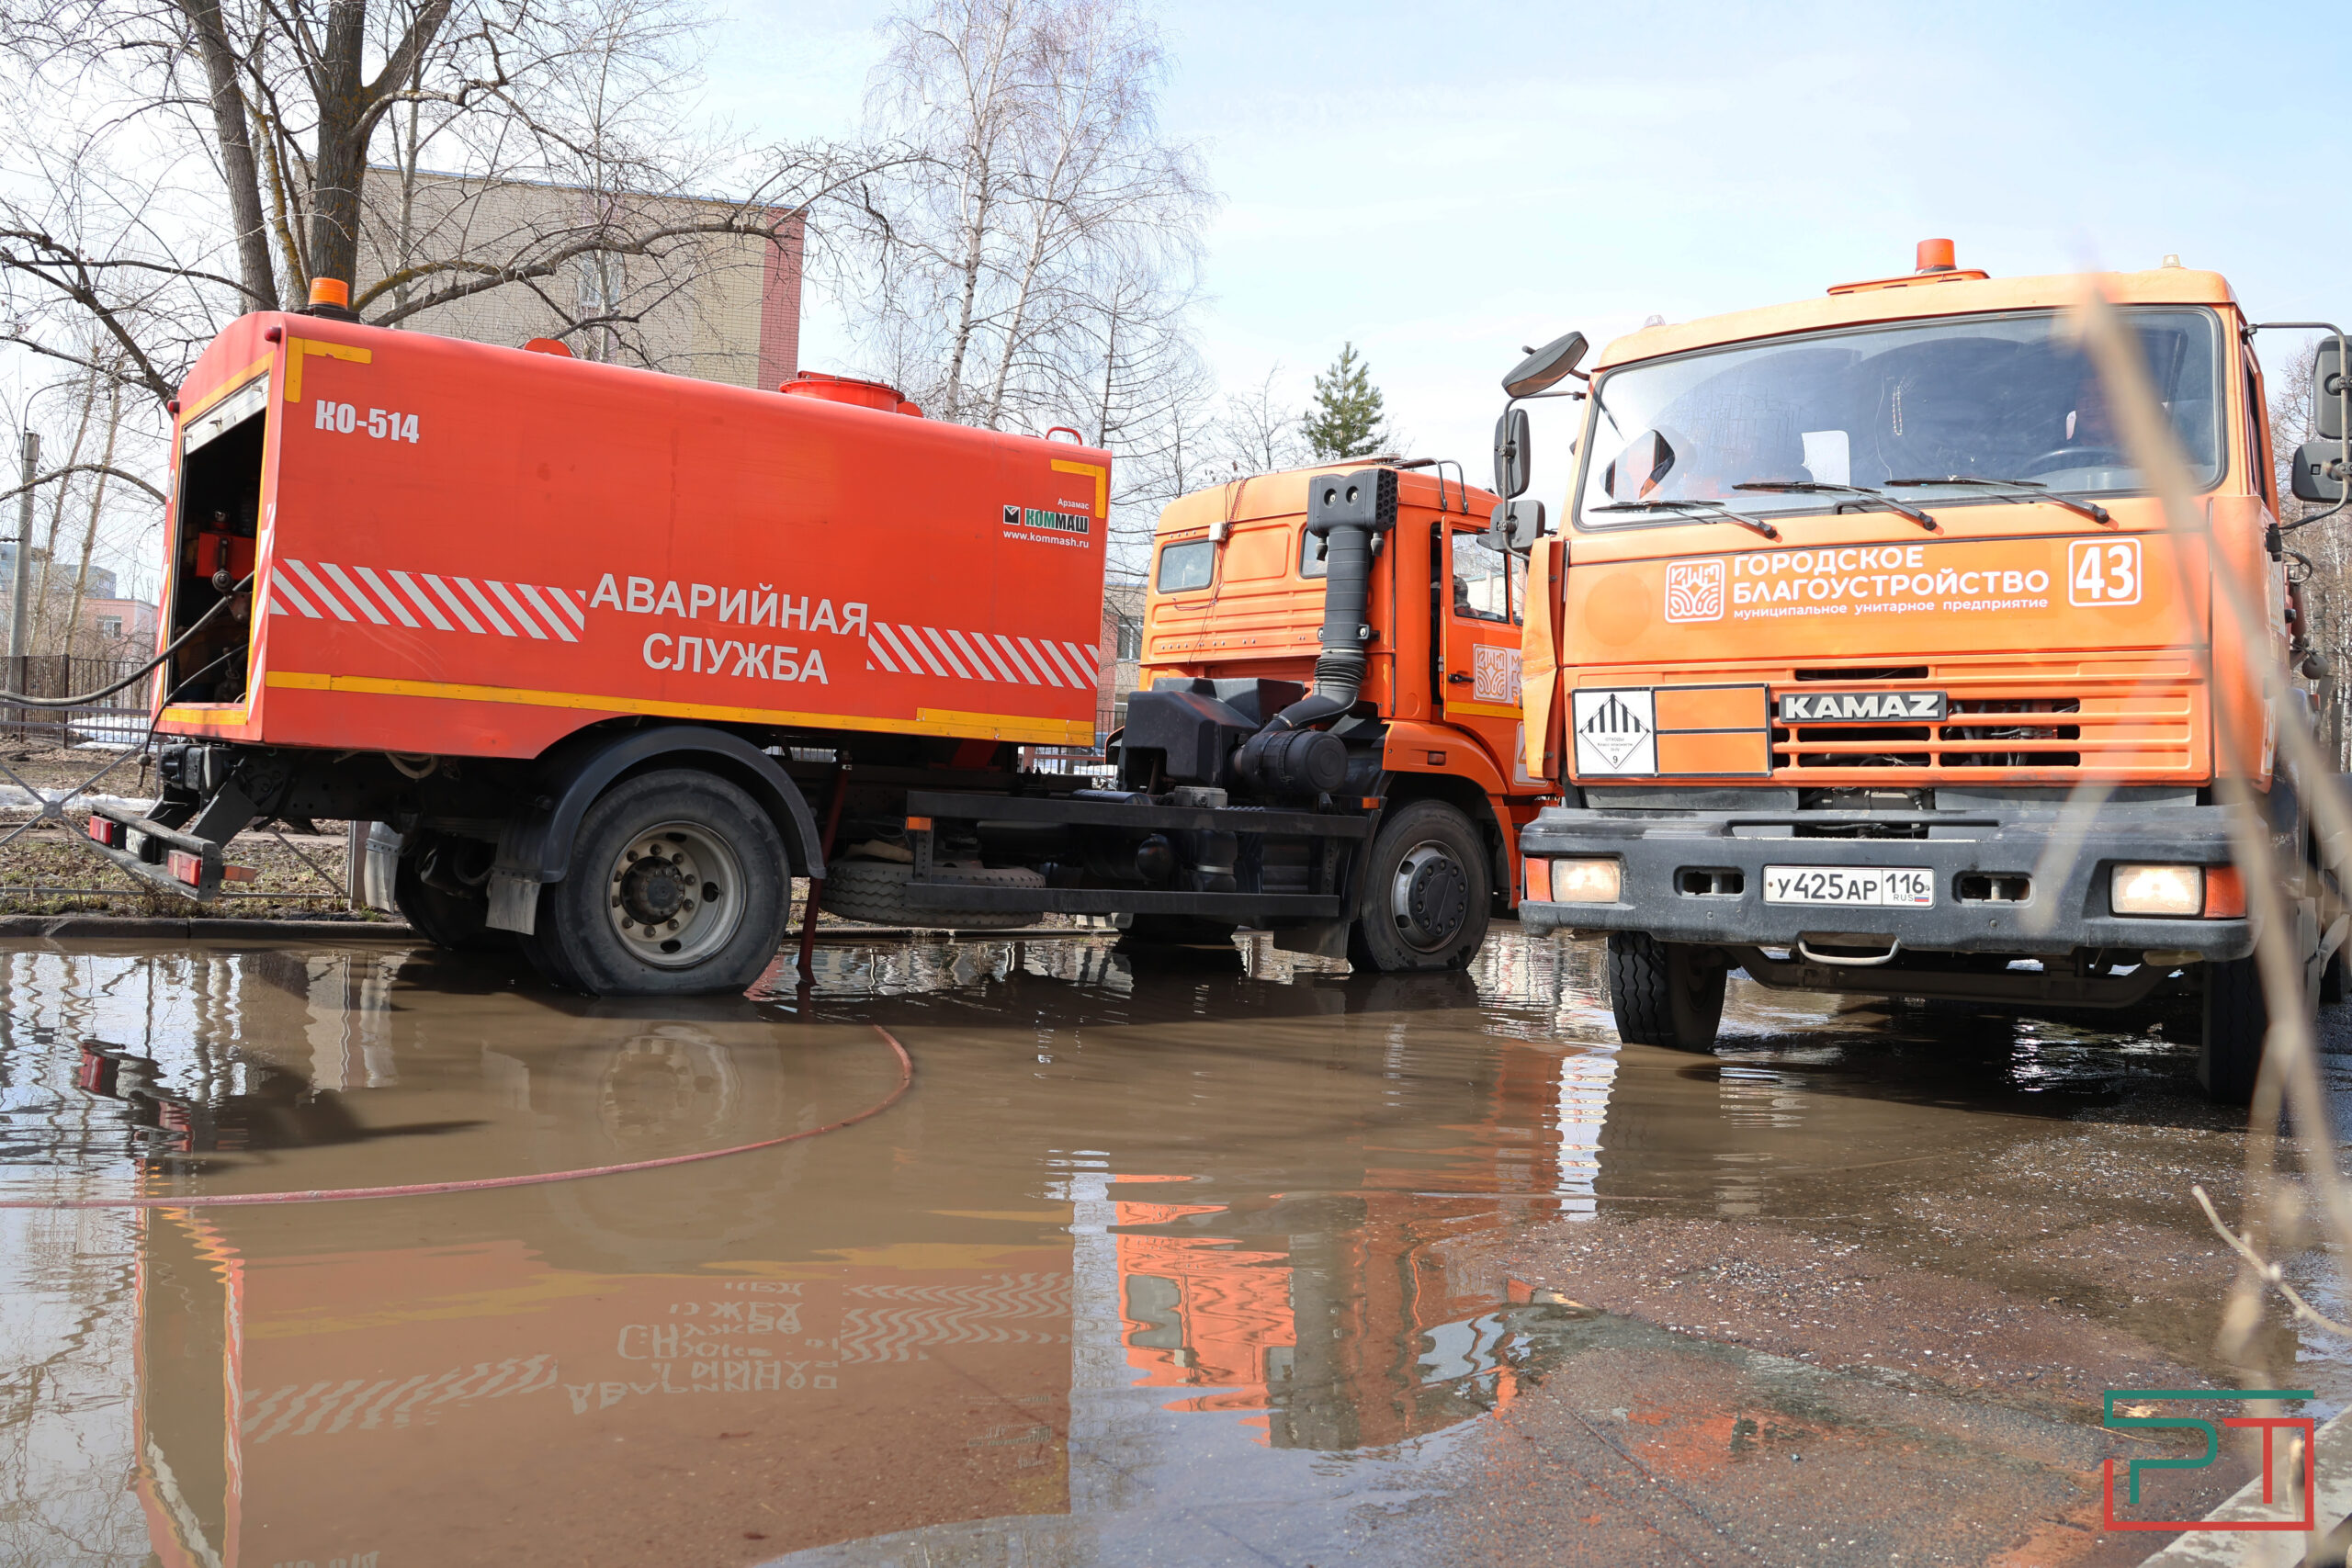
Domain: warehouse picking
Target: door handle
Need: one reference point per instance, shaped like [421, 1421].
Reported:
[1459, 678]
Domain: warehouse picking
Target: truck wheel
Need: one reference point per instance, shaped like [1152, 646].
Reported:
[678, 884]
[1425, 892]
[2229, 1049]
[445, 921]
[1665, 993]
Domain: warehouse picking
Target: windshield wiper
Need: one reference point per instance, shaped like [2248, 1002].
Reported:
[1866, 497]
[1709, 511]
[2018, 491]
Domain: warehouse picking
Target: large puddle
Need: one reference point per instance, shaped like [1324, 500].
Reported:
[1185, 1235]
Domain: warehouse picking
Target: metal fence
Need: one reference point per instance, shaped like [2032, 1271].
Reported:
[118, 720]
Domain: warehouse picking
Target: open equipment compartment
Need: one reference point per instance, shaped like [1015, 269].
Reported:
[215, 523]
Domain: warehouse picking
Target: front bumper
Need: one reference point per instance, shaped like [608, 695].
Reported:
[2063, 913]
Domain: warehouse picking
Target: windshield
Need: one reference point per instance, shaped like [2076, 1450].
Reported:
[1999, 401]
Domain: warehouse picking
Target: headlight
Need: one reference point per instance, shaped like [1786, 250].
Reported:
[1585, 881]
[2157, 890]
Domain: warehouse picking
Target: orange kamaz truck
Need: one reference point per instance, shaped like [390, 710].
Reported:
[1408, 631]
[1853, 597]
[608, 656]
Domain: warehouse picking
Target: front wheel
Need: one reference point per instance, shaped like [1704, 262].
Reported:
[1665, 993]
[2235, 1017]
[1425, 892]
[678, 884]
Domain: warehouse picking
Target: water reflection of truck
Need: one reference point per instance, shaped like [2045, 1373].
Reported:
[1853, 594]
[738, 1348]
[613, 655]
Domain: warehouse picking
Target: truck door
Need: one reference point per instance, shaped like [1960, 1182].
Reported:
[1482, 600]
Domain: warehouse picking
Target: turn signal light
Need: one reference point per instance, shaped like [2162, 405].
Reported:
[2224, 893]
[184, 867]
[1587, 881]
[1539, 880]
[105, 832]
[2174, 890]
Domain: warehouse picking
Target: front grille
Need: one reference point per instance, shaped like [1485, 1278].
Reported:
[2062, 723]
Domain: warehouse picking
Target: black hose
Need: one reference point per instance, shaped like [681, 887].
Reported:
[1347, 510]
[18, 699]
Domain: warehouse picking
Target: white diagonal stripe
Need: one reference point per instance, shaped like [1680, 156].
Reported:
[358, 594]
[1018, 662]
[981, 639]
[281, 584]
[1061, 662]
[1032, 649]
[874, 647]
[522, 616]
[1087, 661]
[574, 601]
[978, 665]
[391, 600]
[915, 637]
[326, 598]
[550, 616]
[277, 609]
[906, 658]
[451, 599]
[408, 586]
[947, 653]
[488, 612]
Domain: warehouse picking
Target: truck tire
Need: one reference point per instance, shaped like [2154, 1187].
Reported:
[874, 892]
[458, 924]
[677, 884]
[1425, 892]
[1665, 993]
[2235, 1017]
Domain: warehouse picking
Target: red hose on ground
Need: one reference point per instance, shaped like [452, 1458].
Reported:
[485, 1183]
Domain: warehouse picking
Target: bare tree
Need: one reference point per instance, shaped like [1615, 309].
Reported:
[1259, 432]
[1044, 203]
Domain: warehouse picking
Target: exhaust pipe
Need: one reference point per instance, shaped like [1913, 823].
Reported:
[1286, 757]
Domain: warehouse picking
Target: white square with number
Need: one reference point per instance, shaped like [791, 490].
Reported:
[1872, 887]
[2103, 572]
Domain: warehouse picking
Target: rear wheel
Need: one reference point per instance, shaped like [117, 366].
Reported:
[1427, 890]
[1665, 993]
[2235, 1017]
[677, 884]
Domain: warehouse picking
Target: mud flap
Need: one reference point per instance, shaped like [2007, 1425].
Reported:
[1318, 939]
[513, 904]
[375, 850]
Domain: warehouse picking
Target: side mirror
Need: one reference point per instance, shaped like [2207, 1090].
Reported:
[2319, 471]
[1514, 527]
[1545, 369]
[1512, 455]
[2327, 391]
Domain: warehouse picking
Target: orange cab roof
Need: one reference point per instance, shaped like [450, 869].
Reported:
[1908, 298]
[1284, 494]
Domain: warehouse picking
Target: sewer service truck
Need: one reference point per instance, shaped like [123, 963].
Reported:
[608, 656]
[1853, 594]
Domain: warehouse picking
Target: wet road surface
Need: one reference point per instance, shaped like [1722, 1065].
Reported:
[1189, 1259]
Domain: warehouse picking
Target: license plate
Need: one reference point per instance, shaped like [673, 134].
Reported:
[1899, 887]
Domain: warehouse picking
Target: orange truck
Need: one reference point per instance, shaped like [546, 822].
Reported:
[1413, 647]
[608, 656]
[1853, 596]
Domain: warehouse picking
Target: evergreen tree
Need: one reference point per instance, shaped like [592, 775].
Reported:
[1347, 418]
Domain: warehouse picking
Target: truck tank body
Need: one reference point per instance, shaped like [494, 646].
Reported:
[463, 549]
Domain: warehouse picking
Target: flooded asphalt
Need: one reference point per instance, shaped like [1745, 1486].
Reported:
[1216, 1259]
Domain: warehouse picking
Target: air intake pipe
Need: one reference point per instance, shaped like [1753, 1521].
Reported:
[1286, 757]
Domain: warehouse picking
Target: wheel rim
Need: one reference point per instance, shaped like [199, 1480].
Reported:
[1430, 896]
[675, 895]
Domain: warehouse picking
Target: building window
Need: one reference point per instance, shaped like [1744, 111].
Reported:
[109, 625]
[1130, 637]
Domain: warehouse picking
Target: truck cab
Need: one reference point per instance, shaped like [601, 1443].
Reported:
[1240, 612]
[1876, 666]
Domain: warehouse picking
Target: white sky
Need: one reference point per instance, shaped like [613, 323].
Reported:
[1443, 184]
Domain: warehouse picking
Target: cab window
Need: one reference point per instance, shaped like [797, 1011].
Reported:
[1484, 589]
[1312, 558]
[1186, 567]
